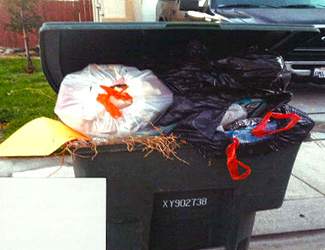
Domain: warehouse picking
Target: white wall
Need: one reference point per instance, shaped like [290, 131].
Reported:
[149, 10]
[114, 9]
[143, 10]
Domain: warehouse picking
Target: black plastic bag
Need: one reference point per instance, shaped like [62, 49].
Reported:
[199, 68]
[281, 140]
[258, 69]
[197, 115]
[240, 124]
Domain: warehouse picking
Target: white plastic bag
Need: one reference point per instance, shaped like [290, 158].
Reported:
[234, 112]
[78, 107]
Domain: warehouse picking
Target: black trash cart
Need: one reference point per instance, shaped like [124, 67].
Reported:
[159, 204]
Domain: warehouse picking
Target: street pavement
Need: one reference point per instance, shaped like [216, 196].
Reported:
[298, 225]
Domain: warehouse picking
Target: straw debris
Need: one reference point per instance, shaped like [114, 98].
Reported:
[164, 144]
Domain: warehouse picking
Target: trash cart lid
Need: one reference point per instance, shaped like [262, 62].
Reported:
[69, 47]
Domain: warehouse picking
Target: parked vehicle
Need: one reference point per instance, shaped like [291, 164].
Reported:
[306, 60]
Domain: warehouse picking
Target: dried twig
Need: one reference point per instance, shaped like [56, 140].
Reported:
[31, 90]
[73, 146]
[60, 167]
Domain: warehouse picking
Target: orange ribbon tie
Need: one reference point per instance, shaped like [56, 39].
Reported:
[111, 92]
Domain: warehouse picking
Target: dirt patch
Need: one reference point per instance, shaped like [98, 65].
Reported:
[2, 129]
[13, 56]
[17, 53]
[1, 136]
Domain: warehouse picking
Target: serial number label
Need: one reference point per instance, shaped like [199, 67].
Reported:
[181, 203]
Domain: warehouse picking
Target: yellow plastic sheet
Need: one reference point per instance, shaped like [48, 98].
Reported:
[39, 137]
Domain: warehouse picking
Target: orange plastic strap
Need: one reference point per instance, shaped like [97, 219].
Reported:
[233, 163]
[120, 95]
[259, 130]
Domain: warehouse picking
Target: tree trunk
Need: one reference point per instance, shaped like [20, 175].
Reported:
[30, 67]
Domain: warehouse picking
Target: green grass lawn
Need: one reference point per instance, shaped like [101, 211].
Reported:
[23, 96]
